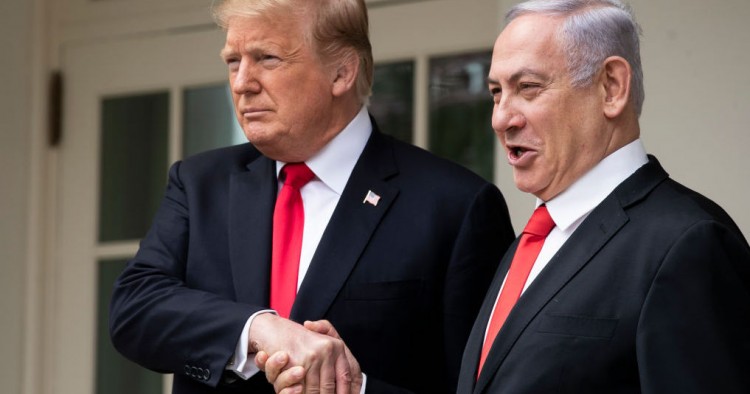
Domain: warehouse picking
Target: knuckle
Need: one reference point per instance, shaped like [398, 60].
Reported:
[326, 347]
[345, 377]
[330, 347]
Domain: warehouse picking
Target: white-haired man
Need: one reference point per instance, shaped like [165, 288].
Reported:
[624, 281]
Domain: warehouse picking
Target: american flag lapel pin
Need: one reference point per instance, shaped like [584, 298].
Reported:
[371, 198]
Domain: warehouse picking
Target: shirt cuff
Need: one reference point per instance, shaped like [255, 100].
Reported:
[364, 383]
[240, 363]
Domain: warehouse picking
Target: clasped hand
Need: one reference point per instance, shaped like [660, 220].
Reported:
[310, 358]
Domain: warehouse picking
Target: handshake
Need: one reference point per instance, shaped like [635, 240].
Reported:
[310, 358]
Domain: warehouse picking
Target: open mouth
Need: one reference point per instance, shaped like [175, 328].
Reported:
[517, 151]
[519, 155]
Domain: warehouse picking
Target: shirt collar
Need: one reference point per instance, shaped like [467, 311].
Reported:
[593, 187]
[334, 163]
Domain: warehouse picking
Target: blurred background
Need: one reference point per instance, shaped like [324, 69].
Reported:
[99, 97]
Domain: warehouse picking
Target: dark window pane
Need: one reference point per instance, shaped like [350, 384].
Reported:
[392, 101]
[133, 163]
[114, 373]
[208, 119]
[461, 110]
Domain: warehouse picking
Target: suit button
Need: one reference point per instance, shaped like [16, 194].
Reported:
[206, 374]
[187, 370]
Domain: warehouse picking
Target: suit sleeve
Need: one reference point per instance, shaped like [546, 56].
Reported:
[484, 236]
[159, 322]
[692, 334]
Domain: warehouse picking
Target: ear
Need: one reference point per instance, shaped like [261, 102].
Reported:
[616, 83]
[345, 73]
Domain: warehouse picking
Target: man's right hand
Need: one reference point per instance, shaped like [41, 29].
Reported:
[323, 357]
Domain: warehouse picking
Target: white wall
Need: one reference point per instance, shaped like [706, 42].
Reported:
[14, 185]
[696, 57]
[696, 119]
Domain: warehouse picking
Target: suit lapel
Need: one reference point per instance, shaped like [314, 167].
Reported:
[349, 230]
[473, 349]
[595, 231]
[252, 195]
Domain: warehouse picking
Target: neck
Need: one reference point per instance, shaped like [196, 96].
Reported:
[339, 118]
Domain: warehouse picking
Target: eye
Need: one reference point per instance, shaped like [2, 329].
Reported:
[495, 92]
[268, 60]
[528, 86]
[233, 63]
[529, 89]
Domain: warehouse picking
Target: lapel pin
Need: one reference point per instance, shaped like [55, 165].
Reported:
[371, 198]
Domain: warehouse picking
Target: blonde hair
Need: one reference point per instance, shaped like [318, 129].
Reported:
[337, 26]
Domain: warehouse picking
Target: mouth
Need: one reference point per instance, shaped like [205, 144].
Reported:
[253, 112]
[517, 151]
[520, 155]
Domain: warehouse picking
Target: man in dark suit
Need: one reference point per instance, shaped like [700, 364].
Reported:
[638, 284]
[397, 249]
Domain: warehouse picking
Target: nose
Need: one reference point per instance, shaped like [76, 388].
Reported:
[245, 80]
[506, 118]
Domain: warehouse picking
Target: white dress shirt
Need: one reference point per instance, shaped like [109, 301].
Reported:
[571, 207]
[332, 167]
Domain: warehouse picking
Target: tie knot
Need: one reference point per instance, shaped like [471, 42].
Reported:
[296, 175]
[541, 222]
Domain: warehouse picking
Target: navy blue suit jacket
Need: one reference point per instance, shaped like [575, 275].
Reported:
[651, 294]
[401, 281]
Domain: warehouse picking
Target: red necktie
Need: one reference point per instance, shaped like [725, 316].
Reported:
[532, 239]
[288, 223]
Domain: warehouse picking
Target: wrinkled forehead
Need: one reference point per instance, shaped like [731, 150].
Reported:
[265, 26]
[532, 32]
[527, 42]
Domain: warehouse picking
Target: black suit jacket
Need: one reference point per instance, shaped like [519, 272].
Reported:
[401, 281]
[650, 294]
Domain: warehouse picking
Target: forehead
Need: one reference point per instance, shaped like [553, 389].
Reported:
[257, 30]
[529, 42]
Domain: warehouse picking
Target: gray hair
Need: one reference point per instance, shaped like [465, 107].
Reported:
[593, 31]
[337, 26]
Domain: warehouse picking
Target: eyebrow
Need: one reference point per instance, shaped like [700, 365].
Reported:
[226, 52]
[518, 74]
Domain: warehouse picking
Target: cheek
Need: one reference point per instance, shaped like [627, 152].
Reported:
[236, 102]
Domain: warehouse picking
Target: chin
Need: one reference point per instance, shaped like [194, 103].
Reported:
[524, 187]
[530, 188]
[522, 181]
[258, 135]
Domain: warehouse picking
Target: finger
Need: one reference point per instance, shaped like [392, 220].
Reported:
[290, 381]
[275, 365]
[292, 390]
[356, 372]
[328, 378]
[312, 378]
[343, 373]
[260, 360]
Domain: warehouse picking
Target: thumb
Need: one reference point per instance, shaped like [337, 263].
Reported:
[322, 327]
[260, 360]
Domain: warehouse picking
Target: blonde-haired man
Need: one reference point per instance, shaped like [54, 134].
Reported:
[391, 246]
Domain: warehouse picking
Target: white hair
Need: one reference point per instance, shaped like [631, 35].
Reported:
[593, 31]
